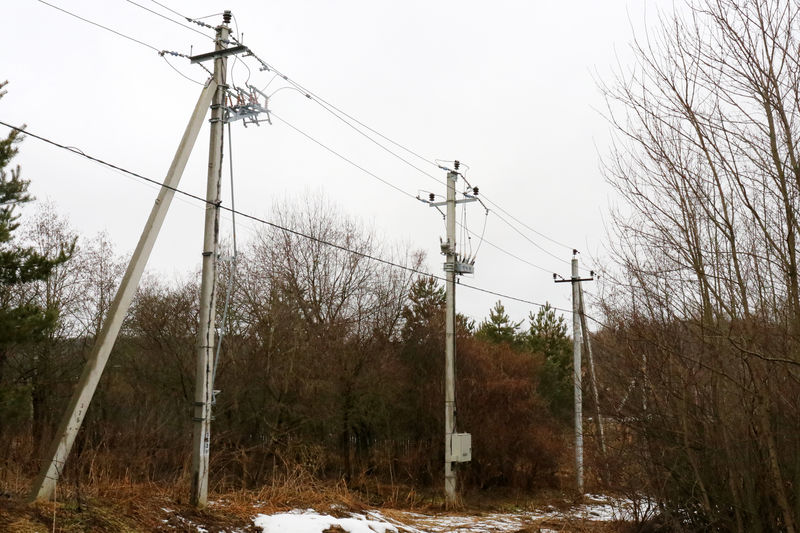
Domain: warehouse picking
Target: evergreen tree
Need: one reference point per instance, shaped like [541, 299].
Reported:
[21, 320]
[547, 334]
[499, 328]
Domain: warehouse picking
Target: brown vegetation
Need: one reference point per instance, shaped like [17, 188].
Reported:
[701, 346]
[331, 372]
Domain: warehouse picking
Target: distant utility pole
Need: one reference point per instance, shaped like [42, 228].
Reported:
[576, 280]
[201, 418]
[458, 446]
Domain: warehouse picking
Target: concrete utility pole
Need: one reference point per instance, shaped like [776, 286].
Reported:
[577, 336]
[576, 366]
[201, 431]
[457, 446]
[45, 483]
[450, 339]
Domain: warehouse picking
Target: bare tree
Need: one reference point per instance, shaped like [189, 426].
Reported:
[706, 162]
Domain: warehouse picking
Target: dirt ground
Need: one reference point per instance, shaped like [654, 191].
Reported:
[153, 508]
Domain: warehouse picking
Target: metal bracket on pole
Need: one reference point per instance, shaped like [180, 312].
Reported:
[225, 52]
[247, 107]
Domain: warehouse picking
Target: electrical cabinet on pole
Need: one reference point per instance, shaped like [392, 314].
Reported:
[201, 417]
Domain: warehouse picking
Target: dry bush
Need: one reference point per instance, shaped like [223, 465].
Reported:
[516, 443]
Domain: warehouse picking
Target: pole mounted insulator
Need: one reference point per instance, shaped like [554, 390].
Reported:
[226, 16]
[456, 164]
[432, 197]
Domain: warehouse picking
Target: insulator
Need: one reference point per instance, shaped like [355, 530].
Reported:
[475, 191]
[456, 164]
[226, 16]
[431, 197]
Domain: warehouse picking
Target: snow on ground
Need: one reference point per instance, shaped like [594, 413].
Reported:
[310, 521]
[597, 509]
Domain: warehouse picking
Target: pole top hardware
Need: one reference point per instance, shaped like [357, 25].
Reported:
[225, 52]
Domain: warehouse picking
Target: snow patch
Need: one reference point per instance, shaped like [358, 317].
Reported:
[309, 521]
[598, 508]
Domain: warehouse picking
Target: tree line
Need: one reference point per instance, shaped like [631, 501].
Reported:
[331, 366]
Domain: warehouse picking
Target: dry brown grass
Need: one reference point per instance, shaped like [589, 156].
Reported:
[102, 504]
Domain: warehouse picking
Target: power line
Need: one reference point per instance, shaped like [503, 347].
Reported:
[518, 221]
[335, 111]
[338, 112]
[398, 189]
[169, 19]
[173, 67]
[172, 10]
[273, 224]
[344, 158]
[70, 13]
[162, 53]
[531, 240]
[328, 106]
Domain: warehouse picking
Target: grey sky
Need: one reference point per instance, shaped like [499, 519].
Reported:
[506, 87]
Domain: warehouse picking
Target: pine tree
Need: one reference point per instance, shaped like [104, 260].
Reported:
[21, 320]
[499, 328]
[547, 334]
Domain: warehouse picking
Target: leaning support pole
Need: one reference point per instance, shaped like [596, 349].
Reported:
[44, 485]
[587, 344]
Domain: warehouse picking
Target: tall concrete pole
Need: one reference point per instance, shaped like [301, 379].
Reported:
[576, 363]
[450, 340]
[201, 416]
[45, 483]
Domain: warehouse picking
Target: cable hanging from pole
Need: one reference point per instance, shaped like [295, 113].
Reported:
[232, 264]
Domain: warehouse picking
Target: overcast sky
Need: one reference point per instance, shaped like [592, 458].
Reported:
[508, 87]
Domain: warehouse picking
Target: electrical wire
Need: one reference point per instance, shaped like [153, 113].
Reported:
[464, 229]
[327, 105]
[534, 243]
[172, 10]
[162, 53]
[518, 221]
[231, 275]
[173, 67]
[291, 231]
[342, 157]
[339, 113]
[100, 25]
[169, 19]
